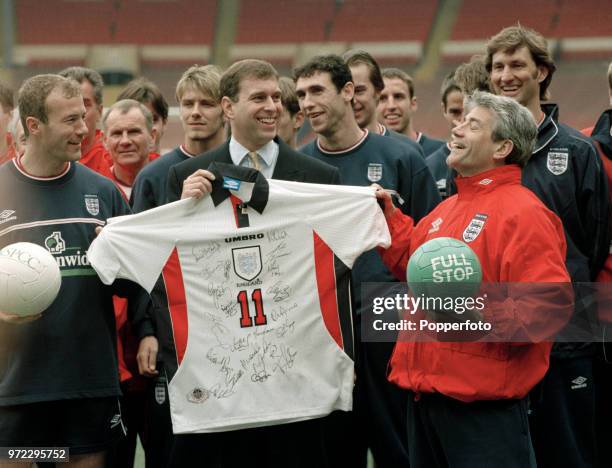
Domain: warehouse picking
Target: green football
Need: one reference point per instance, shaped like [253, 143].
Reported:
[444, 267]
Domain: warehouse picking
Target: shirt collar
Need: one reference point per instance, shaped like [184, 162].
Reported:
[267, 152]
[261, 189]
[488, 180]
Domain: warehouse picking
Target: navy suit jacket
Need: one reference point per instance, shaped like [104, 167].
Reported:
[290, 165]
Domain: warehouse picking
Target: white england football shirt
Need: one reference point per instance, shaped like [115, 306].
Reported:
[263, 265]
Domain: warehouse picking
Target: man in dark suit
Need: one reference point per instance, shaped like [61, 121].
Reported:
[251, 104]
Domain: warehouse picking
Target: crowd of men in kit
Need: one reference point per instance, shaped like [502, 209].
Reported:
[553, 414]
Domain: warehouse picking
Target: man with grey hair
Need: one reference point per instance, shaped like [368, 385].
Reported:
[128, 137]
[93, 153]
[467, 401]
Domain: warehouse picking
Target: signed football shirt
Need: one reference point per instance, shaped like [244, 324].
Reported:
[263, 269]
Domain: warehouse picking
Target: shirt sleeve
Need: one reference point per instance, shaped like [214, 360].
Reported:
[348, 219]
[137, 247]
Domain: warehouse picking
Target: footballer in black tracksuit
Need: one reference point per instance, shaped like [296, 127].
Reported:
[565, 172]
[602, 135]
[428, 144]
[380, 407]
[64, 362]
[149, 189]
[436, 163]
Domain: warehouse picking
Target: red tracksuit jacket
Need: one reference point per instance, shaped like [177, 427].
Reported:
[520, 241]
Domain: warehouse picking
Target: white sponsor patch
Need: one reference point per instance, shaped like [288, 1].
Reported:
[579, 382]
[5, 216]
[435, 226]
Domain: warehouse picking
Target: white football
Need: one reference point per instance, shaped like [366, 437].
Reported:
[30, 279]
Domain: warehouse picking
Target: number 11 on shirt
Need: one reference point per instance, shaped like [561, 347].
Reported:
[243, 300]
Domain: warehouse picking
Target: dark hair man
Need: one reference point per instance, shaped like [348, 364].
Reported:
[197, 93]
[368, 81]
[452, 110]
[251, 102]
[148, 93]
[63, 364]
[468, 77]
[601, 134]
[94, 155]
[566, 174]
[467, 400]
[325, 90]
[292, 117]
[397, 107]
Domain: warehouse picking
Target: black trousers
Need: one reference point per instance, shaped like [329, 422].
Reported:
[295, 445]
[380, 407]
[443, 432]
[562, 415]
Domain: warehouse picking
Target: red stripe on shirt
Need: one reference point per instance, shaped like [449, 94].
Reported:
[177, 303]
[235, 203]
[326, 285]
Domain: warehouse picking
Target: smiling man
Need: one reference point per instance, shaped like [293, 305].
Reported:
[93, 153]
[326, 92]
[368, 81]
[197, 93]
[251, 102]
[467, 402]
[565, 172]
[398, 105]
[62, 364]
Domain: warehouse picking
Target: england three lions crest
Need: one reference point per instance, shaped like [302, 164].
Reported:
[247, 262]
[475, 227]
[92, 204]
[556, 161]
[375, 172]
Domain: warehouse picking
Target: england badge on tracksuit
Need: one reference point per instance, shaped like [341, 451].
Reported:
[375, 171]
[475, 227]
[92, 204]
[556, 161]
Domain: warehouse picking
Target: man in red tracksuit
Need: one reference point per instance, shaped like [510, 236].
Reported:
[93, 152]
[467, 406]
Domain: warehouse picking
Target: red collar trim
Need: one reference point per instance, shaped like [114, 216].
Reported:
[20, 168]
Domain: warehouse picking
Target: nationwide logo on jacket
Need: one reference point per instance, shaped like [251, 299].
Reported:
[71, 260]
[557, 159]
[472, 231]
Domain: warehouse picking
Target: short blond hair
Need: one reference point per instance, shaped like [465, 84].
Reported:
[204, 78]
